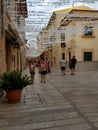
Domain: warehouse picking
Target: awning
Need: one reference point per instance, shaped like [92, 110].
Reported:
[8, 34]
[11, 39]
[12, 34]
[33, 55]
[33, 52]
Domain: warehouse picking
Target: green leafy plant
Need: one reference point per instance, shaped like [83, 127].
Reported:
[14, 80]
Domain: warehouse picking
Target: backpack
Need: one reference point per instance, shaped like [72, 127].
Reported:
[43, 67]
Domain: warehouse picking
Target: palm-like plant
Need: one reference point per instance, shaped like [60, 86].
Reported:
[14, 80]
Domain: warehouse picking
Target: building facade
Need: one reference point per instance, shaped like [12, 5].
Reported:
[12, 41]
[74, 31]
[81, 36]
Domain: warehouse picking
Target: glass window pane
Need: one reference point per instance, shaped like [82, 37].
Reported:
[88, 30]
[87, 56]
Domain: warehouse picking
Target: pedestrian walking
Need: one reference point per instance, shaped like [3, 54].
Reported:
[48, 65]
[32, 70]
[73, 62]
[43, 70]
[63, 66]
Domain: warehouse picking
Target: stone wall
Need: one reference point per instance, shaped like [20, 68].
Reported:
[2, 55]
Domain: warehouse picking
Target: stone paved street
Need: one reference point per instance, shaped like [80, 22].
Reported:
[67, 102]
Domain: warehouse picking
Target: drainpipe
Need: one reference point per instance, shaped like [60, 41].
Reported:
[2, 17]
[20, 59]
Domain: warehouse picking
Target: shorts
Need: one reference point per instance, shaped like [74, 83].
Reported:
[63, 68]
[72, 67]
[32, 73]
[43, 72]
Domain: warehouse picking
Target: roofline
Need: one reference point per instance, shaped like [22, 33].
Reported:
[51, 18]
[54, 13]
[84, 10]
[78, 10]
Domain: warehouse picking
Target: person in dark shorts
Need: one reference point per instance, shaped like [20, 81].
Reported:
[63, 66]
[73, 62]
[43, 70]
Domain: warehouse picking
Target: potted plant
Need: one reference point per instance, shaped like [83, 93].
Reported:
[13, 83]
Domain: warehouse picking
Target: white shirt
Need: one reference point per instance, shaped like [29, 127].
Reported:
[63, 63]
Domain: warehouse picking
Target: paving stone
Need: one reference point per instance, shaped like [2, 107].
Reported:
[63, 103]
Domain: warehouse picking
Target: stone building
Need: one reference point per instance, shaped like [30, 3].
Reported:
[12, 40]
[74, 31]
[81, 36]
[43, 43]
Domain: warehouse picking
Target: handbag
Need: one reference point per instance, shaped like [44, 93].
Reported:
[32, 70]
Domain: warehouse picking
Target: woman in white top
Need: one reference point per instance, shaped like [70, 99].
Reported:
[63, 66]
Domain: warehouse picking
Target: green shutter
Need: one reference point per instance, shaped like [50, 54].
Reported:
[87, 56]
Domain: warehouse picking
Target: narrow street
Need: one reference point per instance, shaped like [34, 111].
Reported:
[62, 103]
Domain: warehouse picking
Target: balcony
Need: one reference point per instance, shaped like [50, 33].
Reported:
[63, 45]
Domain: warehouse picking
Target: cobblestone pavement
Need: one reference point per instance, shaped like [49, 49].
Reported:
[67, 102]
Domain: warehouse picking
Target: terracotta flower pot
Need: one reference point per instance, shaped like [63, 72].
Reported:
[14, 96]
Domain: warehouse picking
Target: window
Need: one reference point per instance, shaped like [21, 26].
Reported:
[62, 40]
[53, 39]
[18, 20]
[62, 37]
[88, 31]
[8, 6]
[87, 56]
